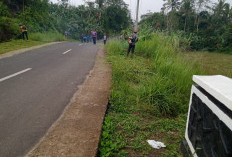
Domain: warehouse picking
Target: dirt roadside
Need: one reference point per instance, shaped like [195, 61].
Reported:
[77, 132]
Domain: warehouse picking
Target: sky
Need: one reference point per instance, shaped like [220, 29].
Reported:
[145, 5]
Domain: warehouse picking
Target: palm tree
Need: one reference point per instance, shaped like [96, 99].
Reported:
[186, 10]
[172, 5]
[199, 5]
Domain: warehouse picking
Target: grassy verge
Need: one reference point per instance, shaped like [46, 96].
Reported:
[17, 44]
[212, 63]
[47, 37]
[149, 98]
[150, 95]
[34, 39]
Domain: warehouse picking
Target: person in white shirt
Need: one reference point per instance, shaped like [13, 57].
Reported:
[104, 39]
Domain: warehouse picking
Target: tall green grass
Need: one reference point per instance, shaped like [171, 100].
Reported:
[47, 36]
[163, 77]
[147, 92]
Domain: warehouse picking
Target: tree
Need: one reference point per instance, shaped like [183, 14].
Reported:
[100, 3]
[186, 10]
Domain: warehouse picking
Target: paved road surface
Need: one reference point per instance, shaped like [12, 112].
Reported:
[35, 87]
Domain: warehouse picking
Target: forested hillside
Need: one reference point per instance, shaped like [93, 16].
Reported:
[110, 16]
[201, 24]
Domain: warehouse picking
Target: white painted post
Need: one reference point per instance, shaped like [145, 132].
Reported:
[209, 124]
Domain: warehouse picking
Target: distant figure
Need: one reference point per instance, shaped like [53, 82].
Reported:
[66, 34]
[104, 38]
[85, 39]
[94, 35]
[88, 38]
[82, 38]
[132, 40]
[23, 29]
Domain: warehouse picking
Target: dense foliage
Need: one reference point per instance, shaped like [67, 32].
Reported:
[201, 23]
[110, 16]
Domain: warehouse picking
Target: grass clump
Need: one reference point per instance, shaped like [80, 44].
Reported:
[149, 98]
[47, 37]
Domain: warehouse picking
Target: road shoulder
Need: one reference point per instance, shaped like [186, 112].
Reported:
[77, 132]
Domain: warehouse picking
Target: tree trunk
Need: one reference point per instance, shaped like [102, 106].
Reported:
[185, 23]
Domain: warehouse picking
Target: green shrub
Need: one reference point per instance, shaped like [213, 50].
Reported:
[8, 28]
[4, 10]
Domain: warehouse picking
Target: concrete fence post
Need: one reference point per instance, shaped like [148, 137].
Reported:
[209, 123]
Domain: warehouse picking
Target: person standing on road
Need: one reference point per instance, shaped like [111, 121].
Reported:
[104, 38]
[132, 40]
[94, 35]
[24, 31]
[82, 38]
[66, 34]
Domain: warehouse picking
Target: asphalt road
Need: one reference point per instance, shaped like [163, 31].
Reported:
[35, 87]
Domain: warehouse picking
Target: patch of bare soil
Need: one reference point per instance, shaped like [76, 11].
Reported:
[77, 132]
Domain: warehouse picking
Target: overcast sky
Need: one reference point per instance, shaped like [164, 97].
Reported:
[145, 5]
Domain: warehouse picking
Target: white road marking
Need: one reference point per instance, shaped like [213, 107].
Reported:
[80, 44]
[15, 74]
[67, 51]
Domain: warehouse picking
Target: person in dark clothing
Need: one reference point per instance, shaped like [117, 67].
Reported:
[94, 35]
[82, 38]
[132, 40]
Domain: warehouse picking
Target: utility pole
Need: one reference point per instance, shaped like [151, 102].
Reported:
[137, 16]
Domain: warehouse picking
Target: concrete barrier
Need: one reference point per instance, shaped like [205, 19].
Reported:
[209, 124]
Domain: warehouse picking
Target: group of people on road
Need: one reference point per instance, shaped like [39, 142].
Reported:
[92, 37]
[132, 40]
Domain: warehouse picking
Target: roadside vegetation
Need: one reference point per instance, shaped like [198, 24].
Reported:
[212, 63]
[201, 24]
[150, 94]
[48, 22]
[149, 98]
[43, 16]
